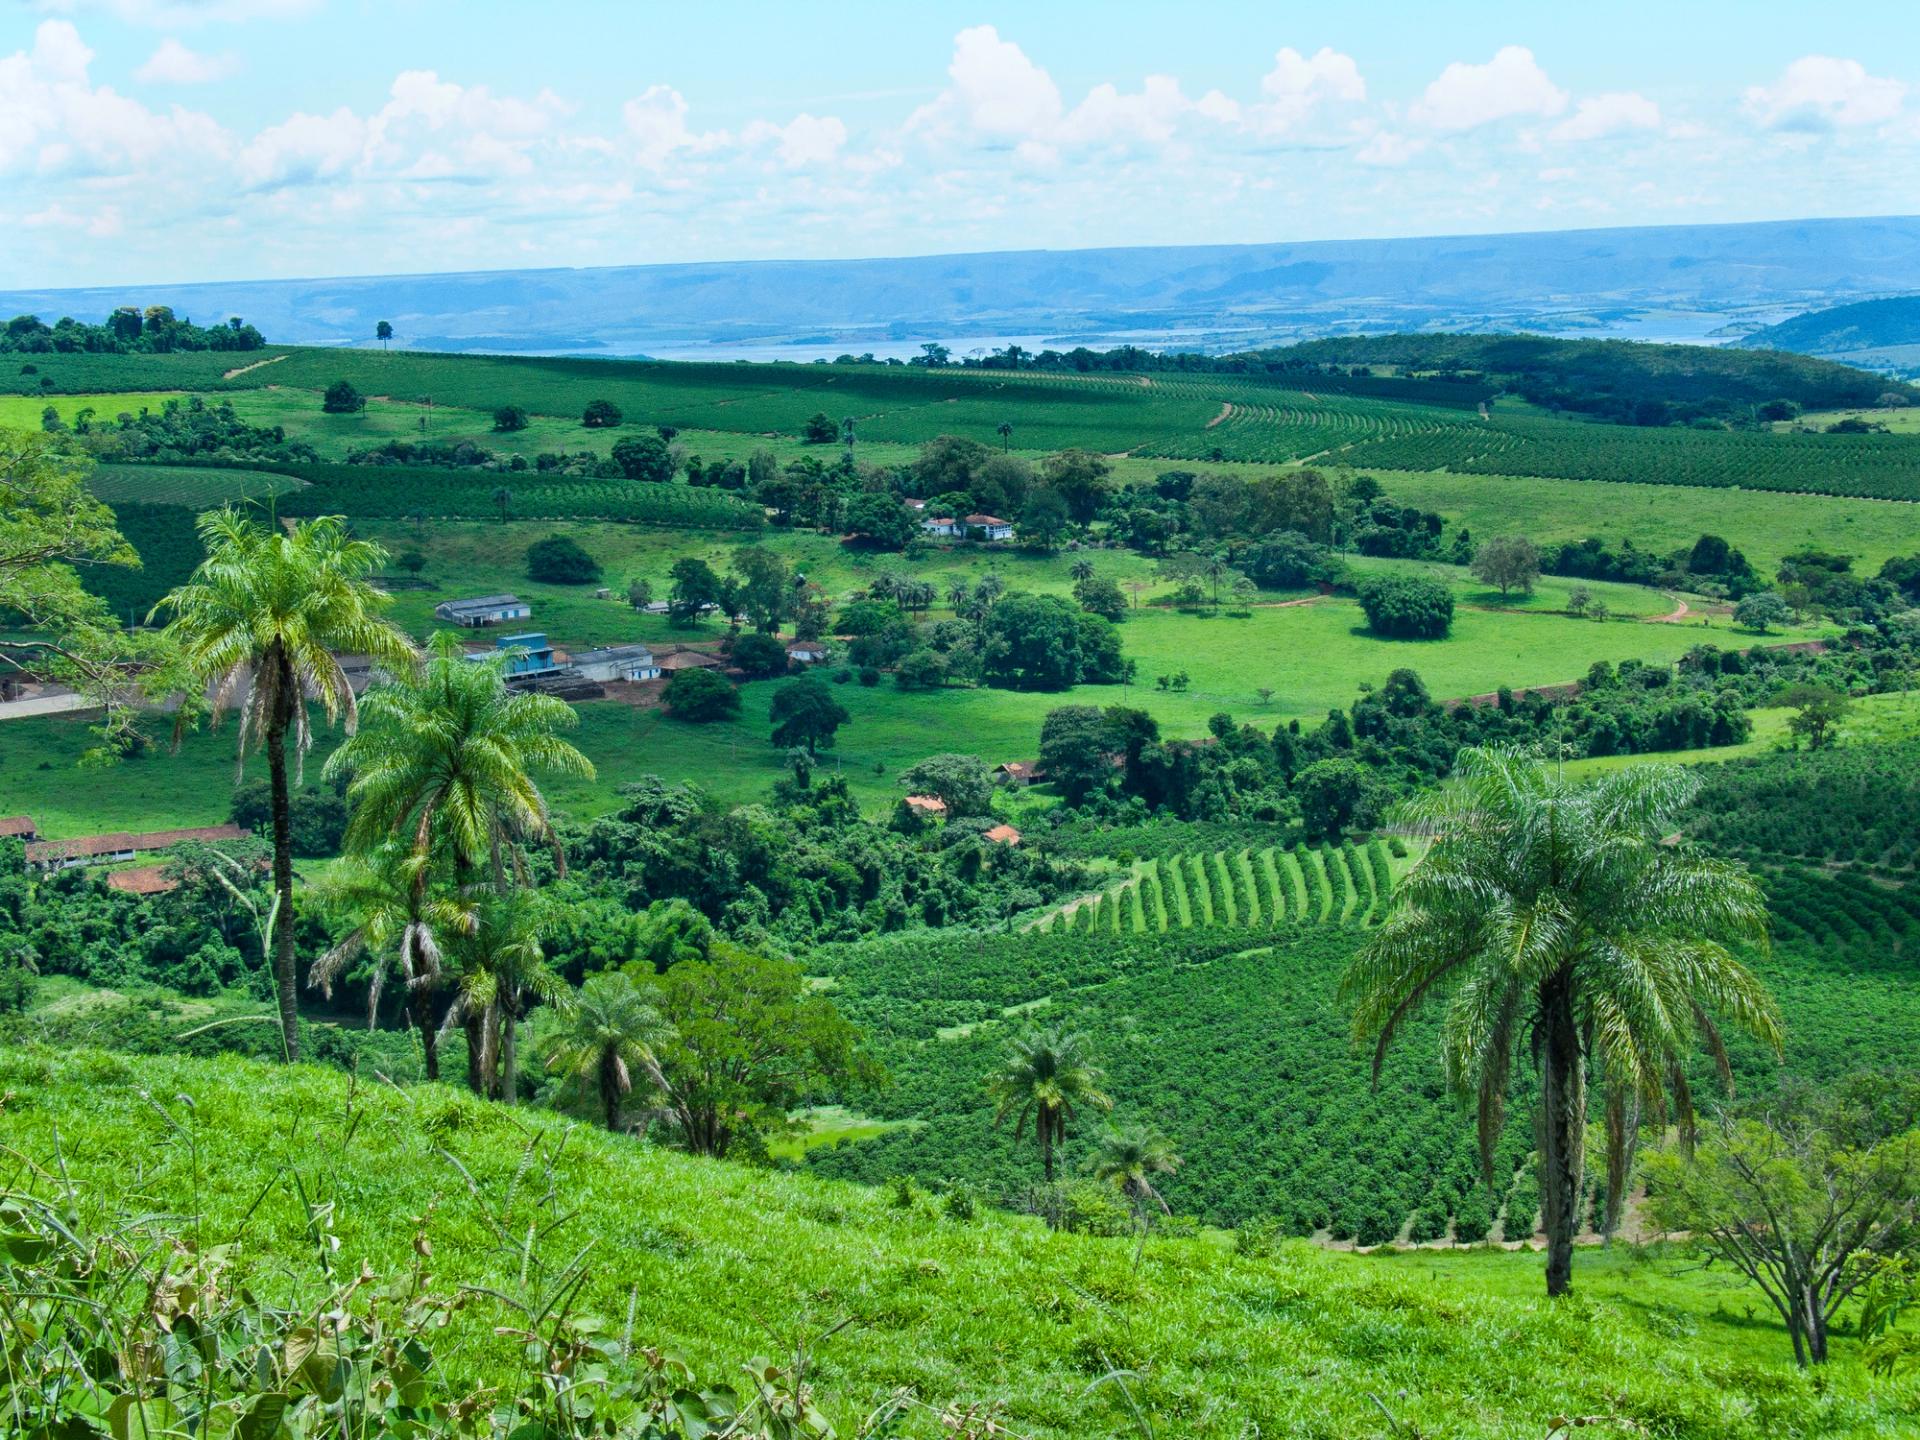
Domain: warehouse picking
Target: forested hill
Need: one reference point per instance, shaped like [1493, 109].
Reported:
[1867, 325]
[1611, 377]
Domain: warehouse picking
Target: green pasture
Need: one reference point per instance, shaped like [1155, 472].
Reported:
[23, 412]
[716, 1262]
[1876, 720]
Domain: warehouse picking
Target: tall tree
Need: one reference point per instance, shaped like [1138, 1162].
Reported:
[504, 974]
[50, 527]
[604, 1033]
[383, 332]
[1555, 914]
[1128, 1158]
[1050, 1075]
[445, 762]
[402, 924]
[262, 622]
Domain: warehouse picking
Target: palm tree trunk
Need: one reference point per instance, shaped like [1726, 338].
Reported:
[1046, 1143]
[1563, 1129]
[474, 1022]
[610, 1088]
[420, 1002]
[284, 980]
[510, 1053]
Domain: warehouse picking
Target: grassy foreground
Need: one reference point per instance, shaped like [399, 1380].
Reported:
[720, 1262]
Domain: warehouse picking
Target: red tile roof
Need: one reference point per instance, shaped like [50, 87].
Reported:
[1004, 835]
[987, 520]
[17, 827]
[85, 847]
[927, 804]
[145, 880]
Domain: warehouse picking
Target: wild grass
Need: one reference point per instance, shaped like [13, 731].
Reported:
[716, 1262]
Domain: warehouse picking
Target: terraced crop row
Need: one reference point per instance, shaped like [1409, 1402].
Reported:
[1258, 889]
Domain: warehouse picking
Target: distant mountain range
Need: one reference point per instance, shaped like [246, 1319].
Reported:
[1879, 334]
[1691, 283]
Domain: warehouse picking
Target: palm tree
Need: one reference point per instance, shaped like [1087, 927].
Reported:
[1047, 1074]
[443, 765]
[505, 975]
[959, 594]
[607, 1031]
[1081, 569]
[1563, 916]
[259, 623]
[1006, 434]
[503, 497]
[403, 925]
[1128, 1158]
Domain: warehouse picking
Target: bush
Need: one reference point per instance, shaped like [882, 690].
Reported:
[558, 560]
[701, 697]
[342, 399]
[1407, 607]
[760, 655]
[509, 418]
[644, 457]
[600, 415]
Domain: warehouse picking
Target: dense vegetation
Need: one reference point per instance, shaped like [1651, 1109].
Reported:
[1857, 805]
[128, 331]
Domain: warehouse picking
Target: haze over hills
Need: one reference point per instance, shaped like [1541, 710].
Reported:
[1692, 283]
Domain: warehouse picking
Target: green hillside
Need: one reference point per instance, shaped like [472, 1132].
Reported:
[716, 1263]
[1845, 329]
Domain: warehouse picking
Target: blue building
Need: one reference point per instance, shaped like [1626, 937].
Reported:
[535, 657]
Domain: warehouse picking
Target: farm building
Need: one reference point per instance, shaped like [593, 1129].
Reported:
[1018, 772]
[689, 660]
[929, 805]
[944, 526]
[122, 845]
[483, 611]
[142, 880]
[617, 662]
[535, 657]
[1003, 835]
[807, 653]
[987, 527]
[18, 827]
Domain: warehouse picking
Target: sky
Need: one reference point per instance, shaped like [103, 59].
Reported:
[187, 140]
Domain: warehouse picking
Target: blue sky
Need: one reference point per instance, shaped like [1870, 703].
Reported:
[172, 140]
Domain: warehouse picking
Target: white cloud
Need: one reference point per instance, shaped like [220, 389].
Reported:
[996, 90]
[101, 223]
[1598, 116]
[1297, 85]
[656, 122]
[803, 140]
[54, 117]
[1818, 93]
[174, 64]
[304, 148]
[1109, 117]
[1465, 97]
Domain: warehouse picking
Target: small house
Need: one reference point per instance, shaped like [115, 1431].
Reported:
[617, 662]
[913, 504]
[142, 880]
[483, 611]
[1002, 835]
[808, 652]
[1018, 772]
[987, 527]
[931, 806]
[18, 827]
[943, 526]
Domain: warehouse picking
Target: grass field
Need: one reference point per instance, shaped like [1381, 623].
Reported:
[23, 412]
[723, 1261]
[1875, 720]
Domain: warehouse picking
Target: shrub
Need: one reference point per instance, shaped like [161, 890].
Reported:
[701, 697]
[760, 655]
[342, 399]
[509, 418]
[558, 560]
[1407, 607]
[600, 415]
[644, 457]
